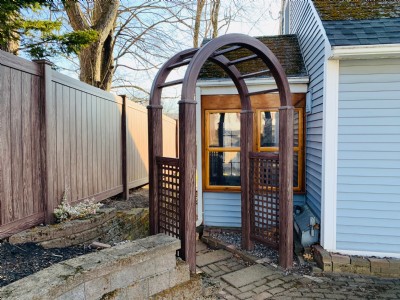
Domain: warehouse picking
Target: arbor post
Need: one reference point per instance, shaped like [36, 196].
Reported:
[246, 145]
[187, 170]
[155, 149]
[286, 186]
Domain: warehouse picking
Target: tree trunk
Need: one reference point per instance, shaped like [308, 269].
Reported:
[215, 5]
[96, 61]
[197, 22]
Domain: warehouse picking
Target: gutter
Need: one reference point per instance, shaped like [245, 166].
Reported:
[364, 51]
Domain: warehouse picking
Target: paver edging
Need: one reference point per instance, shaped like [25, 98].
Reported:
[339, 263]
[217, 244]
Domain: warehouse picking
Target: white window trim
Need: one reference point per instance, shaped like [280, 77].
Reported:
[329, 155]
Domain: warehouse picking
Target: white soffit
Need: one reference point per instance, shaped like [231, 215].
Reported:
[226, 86]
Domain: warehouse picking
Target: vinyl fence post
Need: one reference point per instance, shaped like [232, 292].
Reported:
[124, 156]
[47, 152]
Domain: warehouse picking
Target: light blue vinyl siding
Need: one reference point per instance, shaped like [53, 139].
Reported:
[312, 43]
[224, 209]
[368, 198]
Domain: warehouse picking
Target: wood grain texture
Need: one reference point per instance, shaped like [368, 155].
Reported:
[60, 143]
[187, 192]
[58, 133]
[79, 150]
[26, 102]
[20, 225]
[66, 184]
[37, 131]
[85, 145]
[155, 150]
[246, 144]
[17, 63]
[5, 146]
[16, 145]
[285, 187]
[73, 142]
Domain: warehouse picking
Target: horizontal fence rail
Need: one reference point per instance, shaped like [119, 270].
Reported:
[61, 135]
[264, 198]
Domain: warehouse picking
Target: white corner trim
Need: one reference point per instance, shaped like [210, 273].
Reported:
[369, 253]
[365, 51]
[329, 155]
[199, 158]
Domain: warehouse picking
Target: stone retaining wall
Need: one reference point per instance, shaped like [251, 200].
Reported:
[134, 270]
[107, 226]
[332, 262]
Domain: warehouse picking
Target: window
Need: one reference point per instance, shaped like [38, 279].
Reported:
[268, 139]
[222, 149]
[221, 138]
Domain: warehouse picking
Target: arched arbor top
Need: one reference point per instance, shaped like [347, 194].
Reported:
[214, 51]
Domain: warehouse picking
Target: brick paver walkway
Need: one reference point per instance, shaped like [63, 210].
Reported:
[239, 280]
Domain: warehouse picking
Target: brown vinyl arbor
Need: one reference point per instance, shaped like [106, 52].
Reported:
[172, 181]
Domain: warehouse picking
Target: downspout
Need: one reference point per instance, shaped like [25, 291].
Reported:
[199, 173]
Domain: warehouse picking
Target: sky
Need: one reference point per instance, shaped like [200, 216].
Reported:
[264, 21]
[253, 17]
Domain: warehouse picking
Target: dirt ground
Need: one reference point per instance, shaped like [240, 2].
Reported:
[18, 261]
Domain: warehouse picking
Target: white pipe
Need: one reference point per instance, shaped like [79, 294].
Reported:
[199, 158]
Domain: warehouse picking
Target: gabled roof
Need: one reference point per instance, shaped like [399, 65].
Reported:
[285, 47]
[360, 22]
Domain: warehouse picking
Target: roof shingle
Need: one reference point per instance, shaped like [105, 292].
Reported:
[360, 22]
[363, 32]
[334, 10]
[285, 47]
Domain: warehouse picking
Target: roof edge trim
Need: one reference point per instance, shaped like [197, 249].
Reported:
[365, 51]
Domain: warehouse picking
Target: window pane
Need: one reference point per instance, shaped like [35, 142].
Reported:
[269, 129]
[225, 168]
[296, 129]
[269, 136]
[224, 129]
[295, 169]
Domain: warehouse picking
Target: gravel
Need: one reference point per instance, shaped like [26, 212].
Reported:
[261, 251]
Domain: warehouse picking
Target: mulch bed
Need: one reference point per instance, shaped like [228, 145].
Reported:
[18, 261]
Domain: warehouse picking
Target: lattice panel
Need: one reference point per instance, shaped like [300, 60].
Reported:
[264, 198]
[168, 196]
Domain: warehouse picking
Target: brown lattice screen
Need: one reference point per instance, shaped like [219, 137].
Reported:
[168, 196]
[264, 197]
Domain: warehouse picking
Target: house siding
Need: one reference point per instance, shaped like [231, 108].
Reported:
[224, 209]
[304, 23]
[368, 190]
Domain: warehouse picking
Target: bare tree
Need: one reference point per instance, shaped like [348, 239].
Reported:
[197, 22]
[96, 61]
